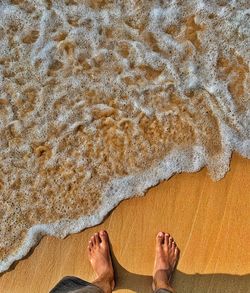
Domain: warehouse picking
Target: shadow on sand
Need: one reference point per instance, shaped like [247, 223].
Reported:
[183, 283]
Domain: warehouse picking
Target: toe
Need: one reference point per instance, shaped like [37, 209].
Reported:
[173, 245]
[172, 249]
[92, 239]
[97, 239]
[170, 240]
[90, 244]
[160, 238]
[167, 239]
[90, 247]
[176, 251]
[104, 237]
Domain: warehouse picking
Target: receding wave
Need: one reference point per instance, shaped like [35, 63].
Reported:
[100, 99]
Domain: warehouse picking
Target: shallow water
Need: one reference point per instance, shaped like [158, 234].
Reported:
[100, 101]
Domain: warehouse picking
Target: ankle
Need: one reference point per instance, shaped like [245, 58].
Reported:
[106, 283]
[106, 287]
[164, 286]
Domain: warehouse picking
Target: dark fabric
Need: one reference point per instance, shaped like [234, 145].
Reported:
[76, 285]
[72, 284]
[162, 291]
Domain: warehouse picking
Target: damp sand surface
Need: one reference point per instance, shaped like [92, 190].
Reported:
[100, 100]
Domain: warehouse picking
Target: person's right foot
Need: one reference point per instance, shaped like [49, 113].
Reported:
[166, 258]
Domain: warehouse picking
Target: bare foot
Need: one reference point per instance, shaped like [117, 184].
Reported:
[166, 258]
[100, 259]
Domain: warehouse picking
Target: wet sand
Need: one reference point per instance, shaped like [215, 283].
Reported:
[209, 221]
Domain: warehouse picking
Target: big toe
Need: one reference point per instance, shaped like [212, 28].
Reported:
[160, 238]
[104, 237]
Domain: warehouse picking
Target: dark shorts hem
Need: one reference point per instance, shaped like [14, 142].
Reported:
[71, 284]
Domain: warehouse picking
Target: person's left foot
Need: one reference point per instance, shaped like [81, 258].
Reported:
[100, 259]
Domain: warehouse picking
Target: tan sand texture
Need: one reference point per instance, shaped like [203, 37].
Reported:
[209, 221]
[100, 100]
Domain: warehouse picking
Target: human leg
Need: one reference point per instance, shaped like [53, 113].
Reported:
[166, 258]
[100, 259]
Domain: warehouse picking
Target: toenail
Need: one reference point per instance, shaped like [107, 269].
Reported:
[160, 234]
